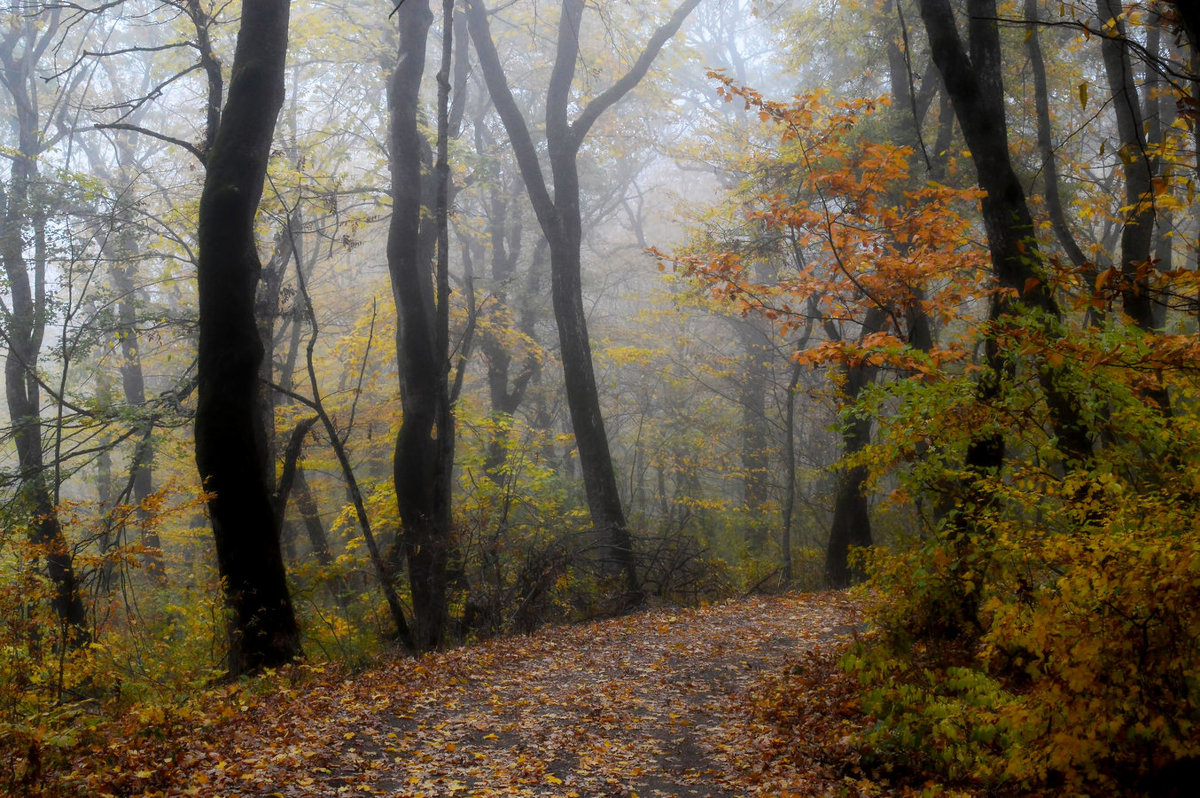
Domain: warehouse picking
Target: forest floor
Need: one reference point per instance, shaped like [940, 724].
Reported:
[732, 699]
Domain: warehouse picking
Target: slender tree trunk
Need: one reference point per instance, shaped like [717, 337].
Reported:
[974, 84]
[561, 219]
[133, 384]
[788, 510]
[506, 391]
[1045, 141]
[1137, 233]
[851, 526]
[21, 215]
[231, 450]
[755, 454]
[424, 457]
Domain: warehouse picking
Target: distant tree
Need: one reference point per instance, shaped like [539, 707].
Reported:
[558, 211]
[231, 450]
[1137, 233]
[24, 256]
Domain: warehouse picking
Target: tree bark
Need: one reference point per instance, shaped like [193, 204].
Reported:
[1045, 141]
[231, 450]
[424, 455]
[851, 526]
[1189, 21]
[974, 83]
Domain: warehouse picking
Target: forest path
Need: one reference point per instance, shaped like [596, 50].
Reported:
[651, 704]
[657, 703]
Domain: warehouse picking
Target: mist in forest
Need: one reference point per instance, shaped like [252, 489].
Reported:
[332, 329]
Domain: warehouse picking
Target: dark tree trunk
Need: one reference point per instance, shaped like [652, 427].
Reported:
[310, 513]
[231, 450]
[1045, 141]
[974, 84]
[1162, 111]
[425, 444]
[561, 221]
[1189, 21]
[1137, 233]
[851, 526]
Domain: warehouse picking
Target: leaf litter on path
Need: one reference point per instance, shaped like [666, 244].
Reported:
[658, 703]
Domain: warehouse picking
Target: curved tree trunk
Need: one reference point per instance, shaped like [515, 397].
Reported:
[1137, 233]
[231, 448]
[973, 82]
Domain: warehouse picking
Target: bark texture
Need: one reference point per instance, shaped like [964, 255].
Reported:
[851, 526]
[1137, 233]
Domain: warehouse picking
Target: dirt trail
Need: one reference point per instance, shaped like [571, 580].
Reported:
[658, 703]
[652, 704]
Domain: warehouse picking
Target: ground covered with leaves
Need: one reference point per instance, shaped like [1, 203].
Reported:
[738, 698]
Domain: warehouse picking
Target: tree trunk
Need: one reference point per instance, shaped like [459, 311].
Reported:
[1189, 21]
[851, 526]
[504, 230]
[20, 216]
[1045, 141]
[133, 383]
[755, 454]
[974, 84]
[561, 221]
[1137, 233]
[425, 443]
[977, 94]
[231, 450]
